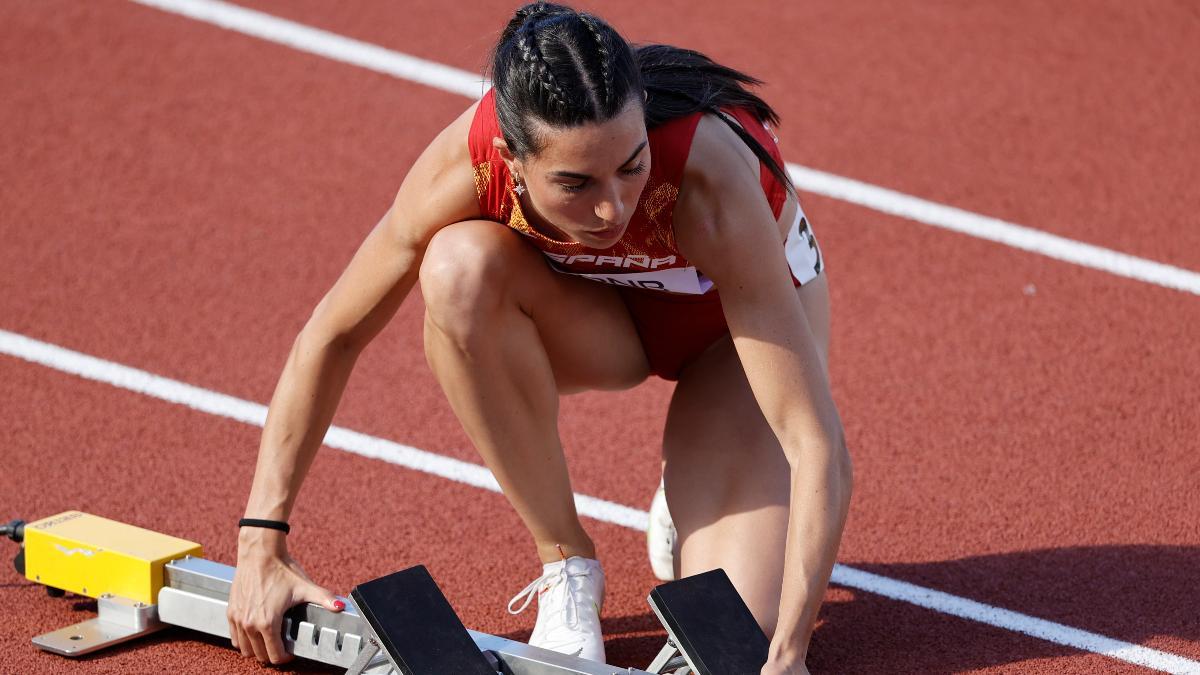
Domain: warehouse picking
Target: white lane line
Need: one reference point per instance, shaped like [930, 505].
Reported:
[1013, 621]
[994, 229]
[324, 43]
[255, 414]
[439, 76]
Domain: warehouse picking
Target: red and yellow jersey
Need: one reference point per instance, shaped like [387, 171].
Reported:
[646, 256]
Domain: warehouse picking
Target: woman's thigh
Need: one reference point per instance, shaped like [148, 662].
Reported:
[727, 478]
[474, 269]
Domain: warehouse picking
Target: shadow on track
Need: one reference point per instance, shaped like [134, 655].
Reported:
[1129, 593]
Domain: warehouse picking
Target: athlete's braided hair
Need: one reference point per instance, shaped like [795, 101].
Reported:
[565, 68]
[603, 55]
[562, 67]
[542, 79]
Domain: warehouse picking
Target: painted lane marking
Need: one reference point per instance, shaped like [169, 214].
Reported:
[464, 83]
[1032, 626]
[255, 414]
[324, 43]
[994, 230]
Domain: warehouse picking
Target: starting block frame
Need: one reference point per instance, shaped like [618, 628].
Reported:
[710, 629]
[196, 593]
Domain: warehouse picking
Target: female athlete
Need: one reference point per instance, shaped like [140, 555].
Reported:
[571, 231]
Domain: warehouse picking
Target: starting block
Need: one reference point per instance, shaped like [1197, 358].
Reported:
[400, 624]
[708, 625]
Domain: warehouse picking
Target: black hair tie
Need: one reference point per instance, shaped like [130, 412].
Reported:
[269, 524]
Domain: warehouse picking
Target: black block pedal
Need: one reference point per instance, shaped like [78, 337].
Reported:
[417, 627]
[710, 623]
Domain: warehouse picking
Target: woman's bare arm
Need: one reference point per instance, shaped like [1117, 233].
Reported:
[725, 226]
[438, 190]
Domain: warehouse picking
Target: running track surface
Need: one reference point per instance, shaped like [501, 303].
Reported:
[177, 197]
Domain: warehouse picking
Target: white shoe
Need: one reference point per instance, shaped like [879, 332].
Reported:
[570, 594]
[661, 536]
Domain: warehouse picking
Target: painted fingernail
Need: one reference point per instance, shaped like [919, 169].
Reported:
[339, 605]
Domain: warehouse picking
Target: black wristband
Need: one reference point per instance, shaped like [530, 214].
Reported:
[269, 524]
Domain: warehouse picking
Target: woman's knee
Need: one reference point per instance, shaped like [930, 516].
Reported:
[465, 274]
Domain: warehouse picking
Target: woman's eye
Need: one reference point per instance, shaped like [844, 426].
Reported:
[572, 188]
[640, 168]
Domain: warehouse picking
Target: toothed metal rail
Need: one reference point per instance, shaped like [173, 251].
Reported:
[195, 595]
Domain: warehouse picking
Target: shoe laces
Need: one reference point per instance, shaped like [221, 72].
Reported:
[560, 577]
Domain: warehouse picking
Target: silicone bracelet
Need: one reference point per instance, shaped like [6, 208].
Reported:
[269, 524]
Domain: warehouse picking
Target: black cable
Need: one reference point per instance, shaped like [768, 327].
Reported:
[14, 530]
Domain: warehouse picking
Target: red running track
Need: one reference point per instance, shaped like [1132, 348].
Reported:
[177, 197]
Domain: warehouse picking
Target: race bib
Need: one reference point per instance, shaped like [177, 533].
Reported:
[687, 280]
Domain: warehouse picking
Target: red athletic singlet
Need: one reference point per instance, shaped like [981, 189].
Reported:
[675, 307]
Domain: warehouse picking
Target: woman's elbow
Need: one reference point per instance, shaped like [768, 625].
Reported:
[826, 453]
[840, 466]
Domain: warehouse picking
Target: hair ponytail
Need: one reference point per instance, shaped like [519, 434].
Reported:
[680, 82]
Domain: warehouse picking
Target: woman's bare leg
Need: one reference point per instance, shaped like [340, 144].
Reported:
[505, 336]
[727, 478]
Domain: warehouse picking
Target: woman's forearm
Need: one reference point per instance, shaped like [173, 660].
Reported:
[352, 313]
[820, 501]
[301, 410]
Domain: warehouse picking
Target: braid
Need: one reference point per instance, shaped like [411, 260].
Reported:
[532, 9]
[529, 13]
[559, 67]
[532, 56]
[603, 56]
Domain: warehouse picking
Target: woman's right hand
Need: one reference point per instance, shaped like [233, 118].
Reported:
[266, 583]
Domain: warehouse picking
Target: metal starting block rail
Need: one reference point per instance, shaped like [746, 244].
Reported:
[400, 624]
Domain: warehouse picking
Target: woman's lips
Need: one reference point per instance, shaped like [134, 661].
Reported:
[614, 232]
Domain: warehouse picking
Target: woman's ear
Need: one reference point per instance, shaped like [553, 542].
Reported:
[505, 154]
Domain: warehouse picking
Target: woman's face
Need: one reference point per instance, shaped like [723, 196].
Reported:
[587, 180]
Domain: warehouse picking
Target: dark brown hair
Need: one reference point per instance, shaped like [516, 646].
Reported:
[566, 68]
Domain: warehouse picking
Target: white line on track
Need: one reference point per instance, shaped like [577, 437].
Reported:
[1014, 621]
[439, 76]
[221, 405]
[255, 414]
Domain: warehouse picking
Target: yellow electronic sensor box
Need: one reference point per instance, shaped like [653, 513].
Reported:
[92, 556]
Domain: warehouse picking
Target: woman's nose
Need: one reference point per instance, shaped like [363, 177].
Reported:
[611, 207]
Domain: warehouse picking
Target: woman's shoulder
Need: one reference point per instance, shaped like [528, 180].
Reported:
[719, 153]
[440, 187]
[450, 151]
[721, 181]
[716, 152]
